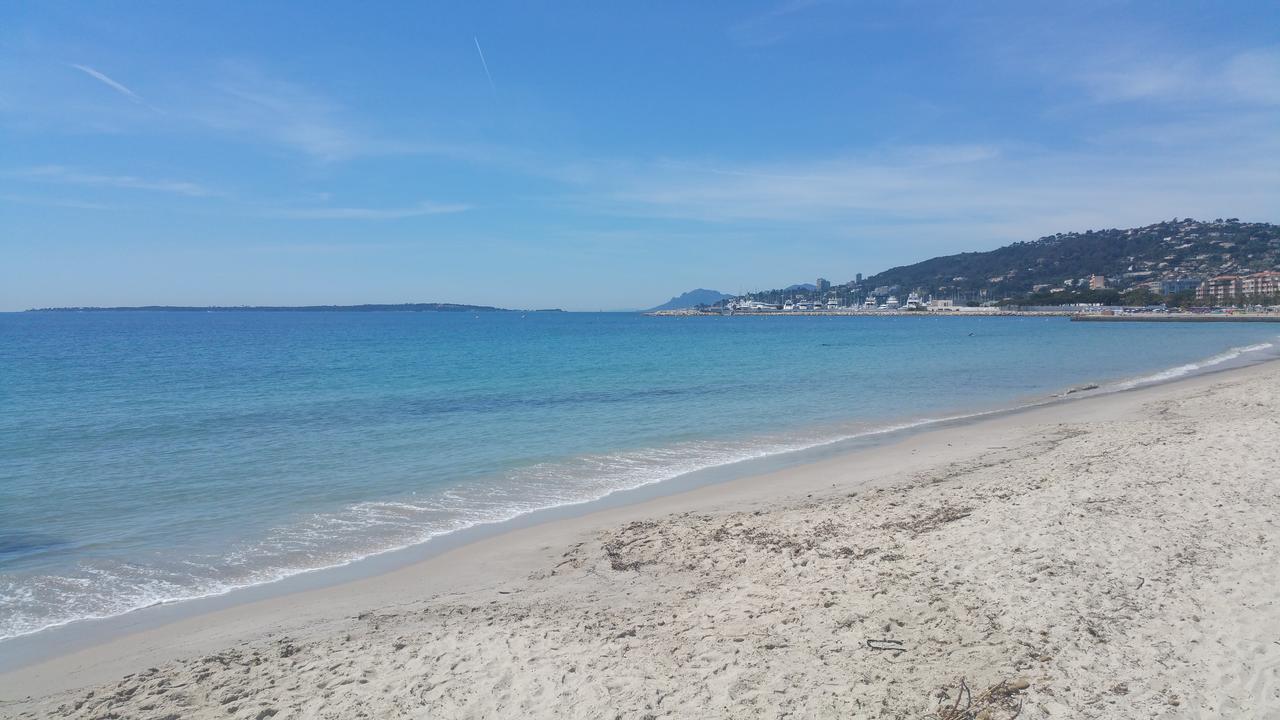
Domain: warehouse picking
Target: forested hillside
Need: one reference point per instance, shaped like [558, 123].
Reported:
[1166, 250]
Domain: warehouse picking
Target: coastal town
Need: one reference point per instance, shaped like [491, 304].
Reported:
[1254, 293]
[1186, 267]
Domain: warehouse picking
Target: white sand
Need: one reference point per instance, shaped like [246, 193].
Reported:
[1114, 557]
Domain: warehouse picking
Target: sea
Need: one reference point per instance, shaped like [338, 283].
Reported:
[158, 457]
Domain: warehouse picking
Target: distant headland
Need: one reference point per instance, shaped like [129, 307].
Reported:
[1178, 263]
[401, 307]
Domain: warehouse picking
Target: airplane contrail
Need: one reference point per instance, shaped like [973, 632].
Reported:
[485, 65]
[114, 85]
[109, 82]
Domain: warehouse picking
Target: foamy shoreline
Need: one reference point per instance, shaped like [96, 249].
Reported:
[762, 560]
[75, 633]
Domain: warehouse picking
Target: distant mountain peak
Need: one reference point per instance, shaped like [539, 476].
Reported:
[693, 298]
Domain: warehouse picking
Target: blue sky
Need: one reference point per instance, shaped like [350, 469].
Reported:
[611, 156]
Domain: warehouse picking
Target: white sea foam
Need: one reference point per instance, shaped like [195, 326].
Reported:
[1189, 368]
[330, 540]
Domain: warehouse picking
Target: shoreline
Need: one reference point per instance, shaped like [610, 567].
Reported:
[68, 637]
[486, 565]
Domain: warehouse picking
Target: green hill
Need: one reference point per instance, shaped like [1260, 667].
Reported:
[1058, 268]
[1127, 258]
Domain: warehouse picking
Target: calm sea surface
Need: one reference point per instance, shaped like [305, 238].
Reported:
[158, 456]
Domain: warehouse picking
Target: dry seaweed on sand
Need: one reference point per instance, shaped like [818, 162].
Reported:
[1002, 701]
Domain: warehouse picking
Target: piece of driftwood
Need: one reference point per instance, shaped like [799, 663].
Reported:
[885, 644]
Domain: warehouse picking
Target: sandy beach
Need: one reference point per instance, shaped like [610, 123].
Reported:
[1111, 557]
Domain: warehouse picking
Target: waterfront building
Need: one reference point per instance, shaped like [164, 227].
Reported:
[1097, 282]
[822, 285]
[1172, 287]
[1225, 289]
[1220, 289]
[1262, 284]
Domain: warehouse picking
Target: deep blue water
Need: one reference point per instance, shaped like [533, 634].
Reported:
[158, 456]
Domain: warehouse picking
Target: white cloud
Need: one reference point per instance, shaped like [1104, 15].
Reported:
[1250, 77]
[54, 202]
[247, 102]
[1255, 75]
[361, 213]
[244, 101]
[769, 27]
[974, 192]
[59, 174]
[1140, 82]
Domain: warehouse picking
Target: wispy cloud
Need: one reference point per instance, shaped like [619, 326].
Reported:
[111, 83]
[364, 213]
[1247, 77]
[60, 174]
[232, 100]
[881, 183]
[54, 202]
[247, 102]
[917, 156]
[326, 248]
[985, 192]
[252, 104]
[768, 28]
[1255, 75]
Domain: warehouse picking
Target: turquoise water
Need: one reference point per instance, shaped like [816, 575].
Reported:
[148, 457]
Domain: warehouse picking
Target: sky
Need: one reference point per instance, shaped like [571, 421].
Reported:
[590, 155]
